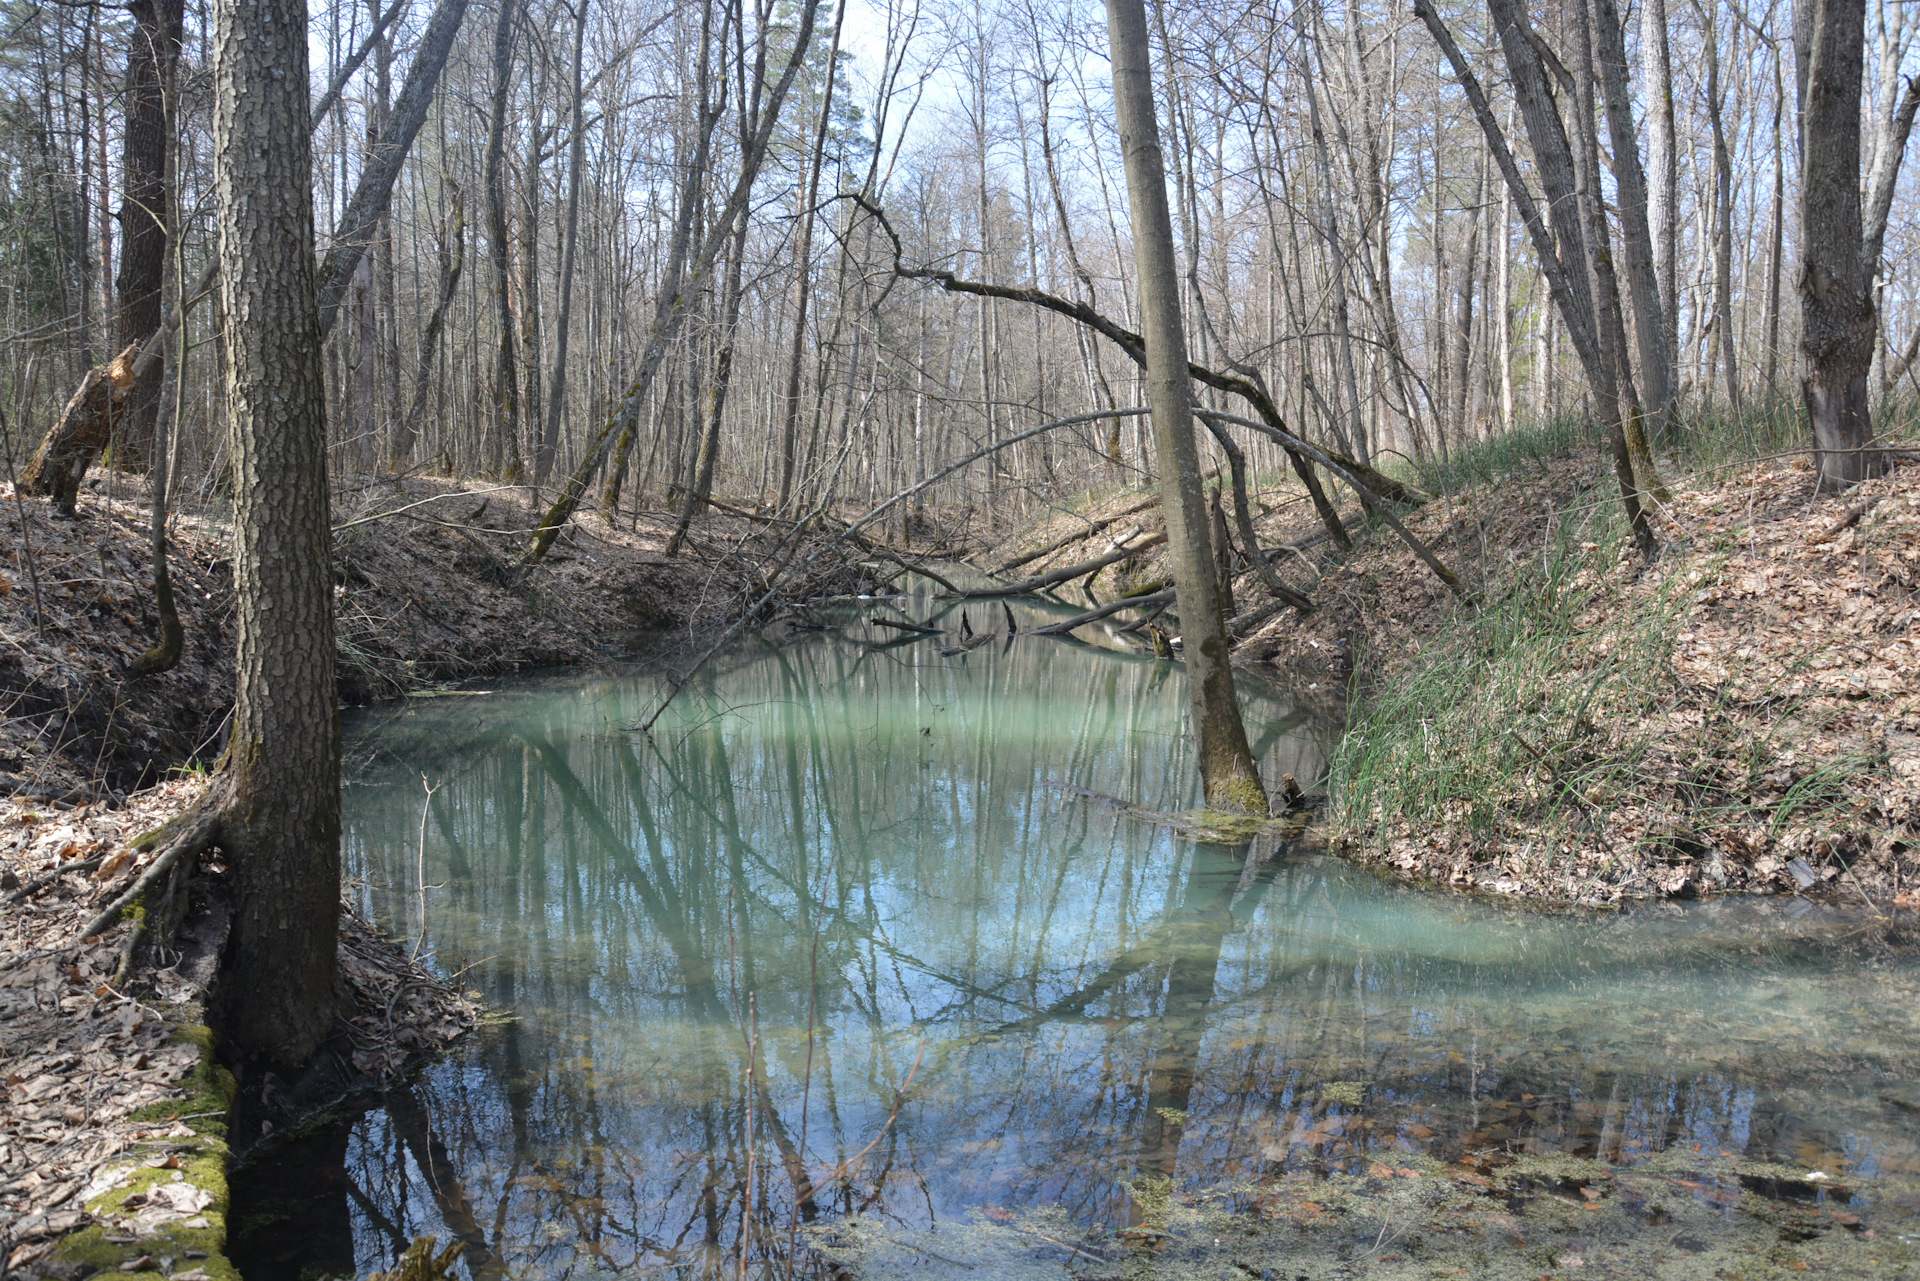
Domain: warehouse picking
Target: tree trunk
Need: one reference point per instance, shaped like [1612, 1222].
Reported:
[576, 160]
[280, 825]
[1562, 251]
[504, 451]
[1837, 322]
[1663, 162]
[144, 218]
[1227, 770]
[1722, 344]
[1630, 182]
[452, 253]
[701, 487]
[803, 282]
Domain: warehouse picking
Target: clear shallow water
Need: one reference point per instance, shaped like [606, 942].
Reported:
[1018, 1000]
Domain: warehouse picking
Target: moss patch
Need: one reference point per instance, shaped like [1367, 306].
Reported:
[207, 1096]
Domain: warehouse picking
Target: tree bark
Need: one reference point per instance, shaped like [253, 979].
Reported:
[1630, 182]
[1228, 774]
[145, 217]
[576, 160]
[280, 823]
[1663, 164]
[1837, 322]
[375, 188]
[505, 448]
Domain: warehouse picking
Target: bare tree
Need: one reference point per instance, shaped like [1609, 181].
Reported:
[1228, 773]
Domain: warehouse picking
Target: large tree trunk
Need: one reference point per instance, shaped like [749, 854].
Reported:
[145, 206]
[1227, 770]
[281, 822]
[1837, 320]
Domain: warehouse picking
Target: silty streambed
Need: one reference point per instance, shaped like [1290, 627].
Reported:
[1044, 1036]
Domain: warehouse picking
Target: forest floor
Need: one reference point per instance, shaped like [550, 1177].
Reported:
[1741, 716]
[113, 1117]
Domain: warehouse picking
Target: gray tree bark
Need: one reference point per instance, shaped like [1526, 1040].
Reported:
[504, 452]
[1837, 322]
[1630, 182]
[1227, 770]
[280, 825]
[1663, 164]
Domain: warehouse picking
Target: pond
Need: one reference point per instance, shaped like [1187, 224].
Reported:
[839, 971]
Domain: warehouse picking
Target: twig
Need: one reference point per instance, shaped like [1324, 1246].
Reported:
[462, 493]
[421, 873]
[48, 878]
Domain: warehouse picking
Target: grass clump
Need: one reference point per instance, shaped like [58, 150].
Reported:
[1594, 727]
[1493, 727]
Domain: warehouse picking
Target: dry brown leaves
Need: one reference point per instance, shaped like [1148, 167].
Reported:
[78, 1056]
[401, 1010]
[1780, 749]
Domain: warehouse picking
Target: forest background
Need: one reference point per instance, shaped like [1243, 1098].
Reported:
[1346, 237]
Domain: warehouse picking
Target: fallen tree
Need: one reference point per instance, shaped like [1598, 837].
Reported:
[1065, 574]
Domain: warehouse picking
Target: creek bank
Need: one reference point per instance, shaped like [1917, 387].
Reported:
[114, 1128]
[425, 593]
[1741, 716]
[114, 1143]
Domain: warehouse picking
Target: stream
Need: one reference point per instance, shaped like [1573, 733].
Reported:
[838, 960]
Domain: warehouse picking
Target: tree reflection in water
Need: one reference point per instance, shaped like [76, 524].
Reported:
[859, 836]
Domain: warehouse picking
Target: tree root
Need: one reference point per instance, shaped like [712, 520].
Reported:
[195, 836]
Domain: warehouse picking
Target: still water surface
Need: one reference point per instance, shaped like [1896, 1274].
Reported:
[1017, 998]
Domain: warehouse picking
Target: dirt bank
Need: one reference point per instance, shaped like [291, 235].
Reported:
[425, 593]
[1740, 716]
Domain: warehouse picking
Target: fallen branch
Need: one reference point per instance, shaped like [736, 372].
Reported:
[1092, 528]
[1065, 625]
[1371, 500]
[1066, 574]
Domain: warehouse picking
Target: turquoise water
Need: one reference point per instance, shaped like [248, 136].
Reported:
[834, 941]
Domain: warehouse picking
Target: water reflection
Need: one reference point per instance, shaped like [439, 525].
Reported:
[828, 943]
